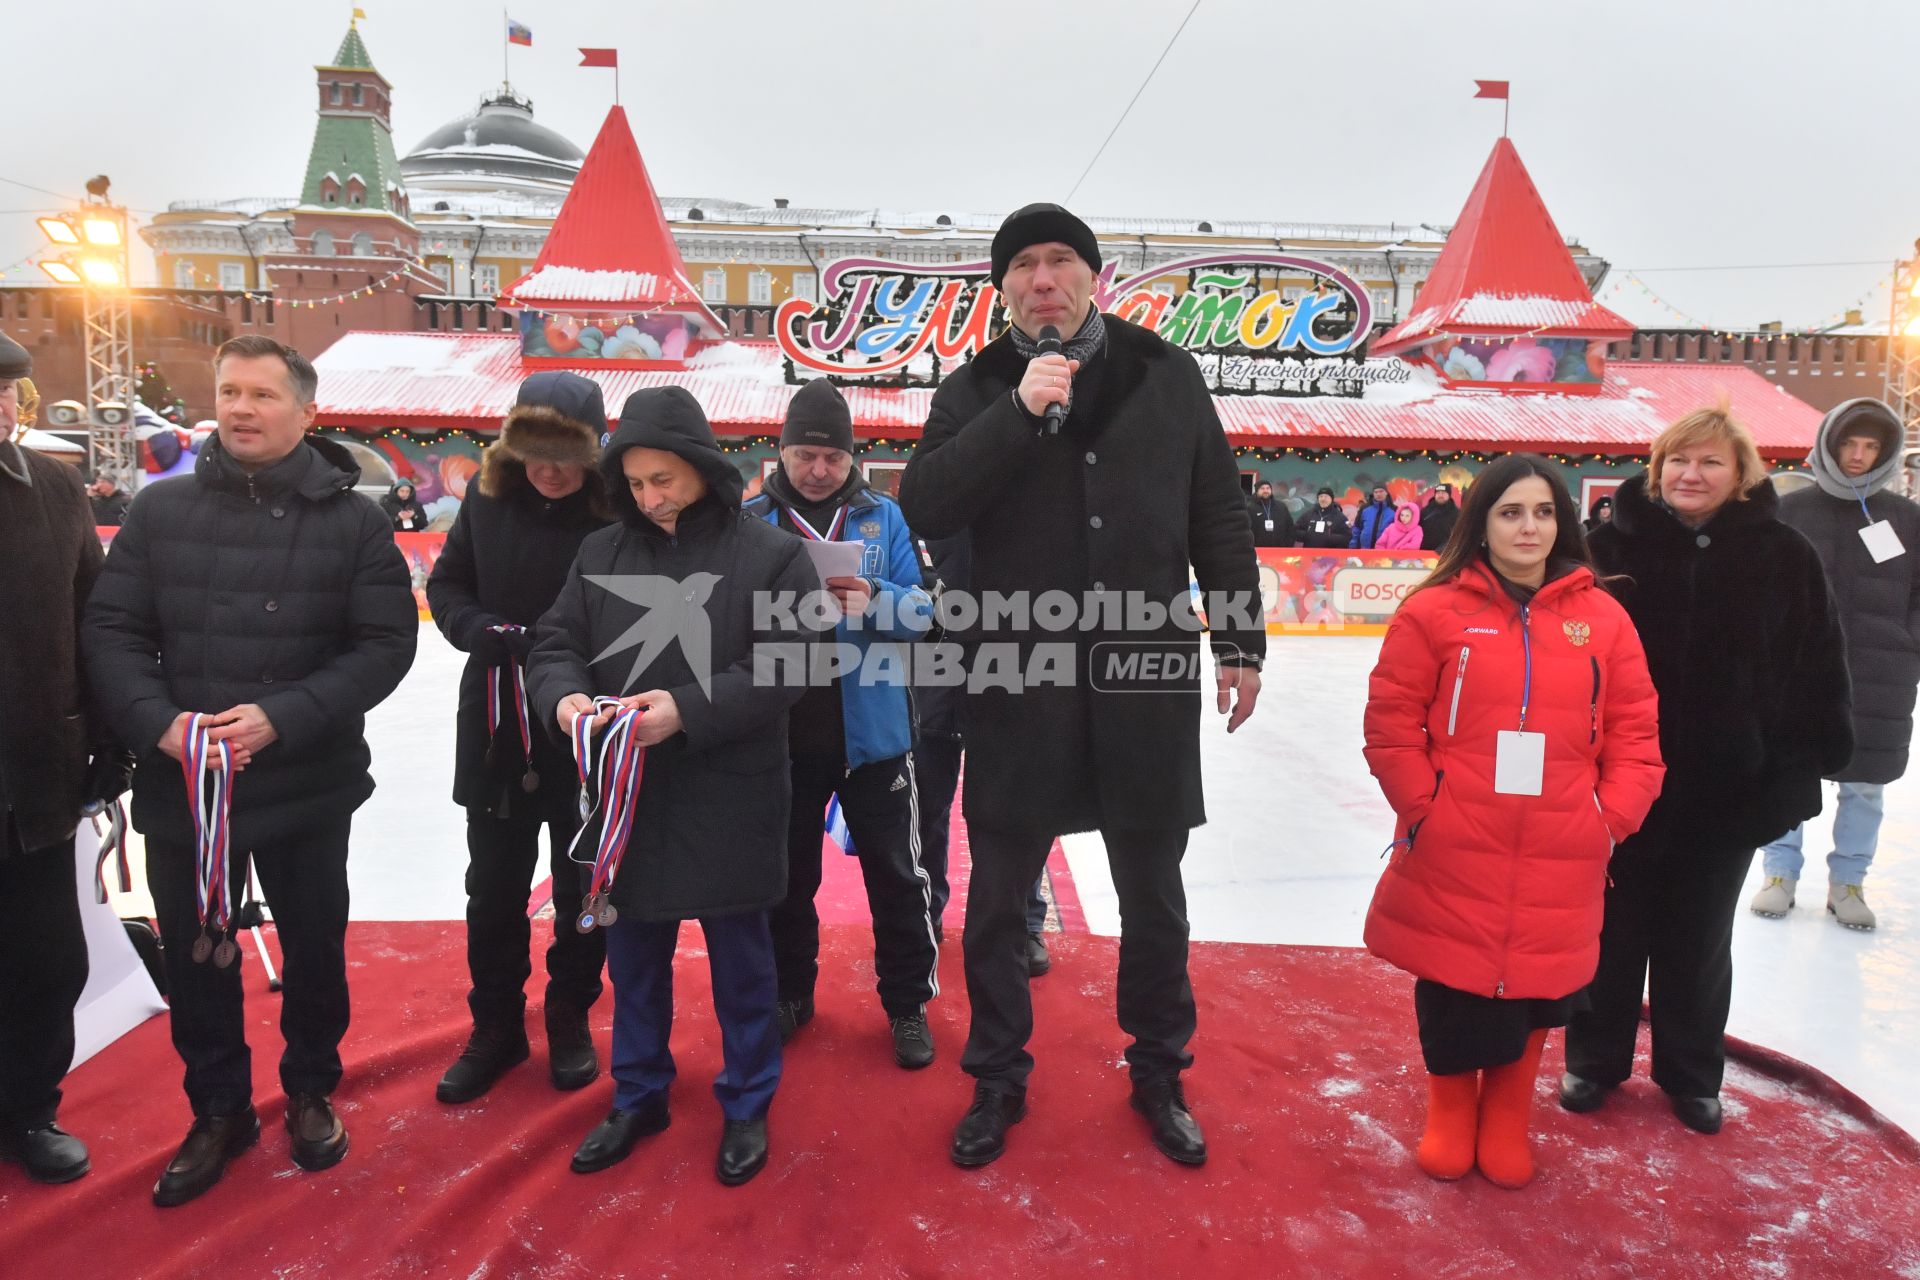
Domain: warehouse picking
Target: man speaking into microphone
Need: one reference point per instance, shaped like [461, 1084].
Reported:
[1097, 472]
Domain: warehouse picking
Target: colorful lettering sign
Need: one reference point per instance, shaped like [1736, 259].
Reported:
[898, 322]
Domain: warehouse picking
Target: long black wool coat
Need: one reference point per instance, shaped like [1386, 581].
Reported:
[504, 561]
[1138, 485]
[50, 559]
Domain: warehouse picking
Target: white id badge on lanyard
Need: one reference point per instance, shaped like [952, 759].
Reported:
[1883, 544]
[1269, 526]
[1519, 762]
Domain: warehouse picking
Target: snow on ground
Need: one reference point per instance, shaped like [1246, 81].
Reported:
[1290, 856]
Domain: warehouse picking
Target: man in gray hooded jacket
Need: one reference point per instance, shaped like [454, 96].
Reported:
[1868, 538]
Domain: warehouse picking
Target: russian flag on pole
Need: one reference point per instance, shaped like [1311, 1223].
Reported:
[519, 33]
[837, 826]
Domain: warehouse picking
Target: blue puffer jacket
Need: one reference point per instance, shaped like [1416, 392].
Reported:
[879, 717]
[1369, 522]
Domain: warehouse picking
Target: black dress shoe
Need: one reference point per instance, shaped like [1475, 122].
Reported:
[50, 1153]
[1038, 961]
[1581, 1095]
[981, 1136]
[202, 1158]
[571, 1061]
[491, 1052]
[319, 1139]
[743, 1151]
[792, 1015]
[1702, 1115]
[1164, 1103]
[613, 1139]
[912, 1041]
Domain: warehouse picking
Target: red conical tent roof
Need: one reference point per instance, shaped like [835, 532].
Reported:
[610, 249]
[1504, 270]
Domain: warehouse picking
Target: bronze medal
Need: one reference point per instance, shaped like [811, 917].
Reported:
[586, 923]
[202, 948]
[608, 913]
[226, 953]
[529, 782]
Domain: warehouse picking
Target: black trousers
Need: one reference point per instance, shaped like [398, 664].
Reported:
[1669, 931]
[43, 953]
[936, 769]
[881, 806]
[1155, 997]
[501, 856]
[304, 882]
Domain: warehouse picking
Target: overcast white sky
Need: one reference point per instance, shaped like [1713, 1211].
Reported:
[1702, 134]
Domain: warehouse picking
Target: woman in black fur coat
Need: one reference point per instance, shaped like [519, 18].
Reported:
[1745, 650]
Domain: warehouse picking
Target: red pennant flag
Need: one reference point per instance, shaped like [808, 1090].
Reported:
[600, 58]
[1490, 88]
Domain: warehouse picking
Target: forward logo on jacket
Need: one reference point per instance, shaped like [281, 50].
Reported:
[1578, 632]
[675, 610]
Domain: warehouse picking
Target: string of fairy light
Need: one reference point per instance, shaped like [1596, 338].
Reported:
[1839, 317]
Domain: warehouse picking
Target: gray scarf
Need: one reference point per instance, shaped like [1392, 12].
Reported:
[1082, 346]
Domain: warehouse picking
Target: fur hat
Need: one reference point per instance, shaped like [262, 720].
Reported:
[560, 417]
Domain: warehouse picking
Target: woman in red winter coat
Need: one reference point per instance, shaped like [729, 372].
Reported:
[1511, 723]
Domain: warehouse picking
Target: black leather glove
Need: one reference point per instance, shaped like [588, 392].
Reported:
[489, 646]
[109, 774]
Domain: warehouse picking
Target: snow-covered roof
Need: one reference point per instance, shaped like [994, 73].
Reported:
[48, 443]
[575, 284]
[470, 381]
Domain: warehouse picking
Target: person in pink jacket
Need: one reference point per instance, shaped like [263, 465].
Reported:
[1404, 533]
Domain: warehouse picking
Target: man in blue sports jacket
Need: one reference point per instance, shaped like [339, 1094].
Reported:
[852, 735]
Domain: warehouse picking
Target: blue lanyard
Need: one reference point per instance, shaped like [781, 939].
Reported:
[1861, 498]
[1526, 687]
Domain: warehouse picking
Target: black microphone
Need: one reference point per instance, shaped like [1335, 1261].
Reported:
[1050, 346]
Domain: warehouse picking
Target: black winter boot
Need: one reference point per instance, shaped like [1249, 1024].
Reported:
[571, 1061]
[491, 1052]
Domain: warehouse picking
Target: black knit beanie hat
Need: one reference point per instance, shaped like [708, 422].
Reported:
[1042, 224]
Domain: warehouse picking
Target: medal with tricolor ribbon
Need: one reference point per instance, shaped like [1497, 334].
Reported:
[808, 531]
[621, 763]
[512, 675]
[210, 799]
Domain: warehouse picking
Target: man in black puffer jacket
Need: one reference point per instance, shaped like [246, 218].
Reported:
[677, 609]
[266, 594]
[1856, 463]
[540, 494]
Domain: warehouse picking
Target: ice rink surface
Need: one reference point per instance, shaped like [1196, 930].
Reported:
[1290, 855]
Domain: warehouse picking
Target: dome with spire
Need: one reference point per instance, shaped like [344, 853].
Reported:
[497, 146]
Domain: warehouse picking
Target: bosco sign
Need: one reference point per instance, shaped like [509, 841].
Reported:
[1373, 591]
[897, 322]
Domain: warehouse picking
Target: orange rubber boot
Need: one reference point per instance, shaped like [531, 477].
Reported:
[1453, 1108]
[1506, 1108]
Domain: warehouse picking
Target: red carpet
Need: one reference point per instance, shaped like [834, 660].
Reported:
[1306, 1081]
